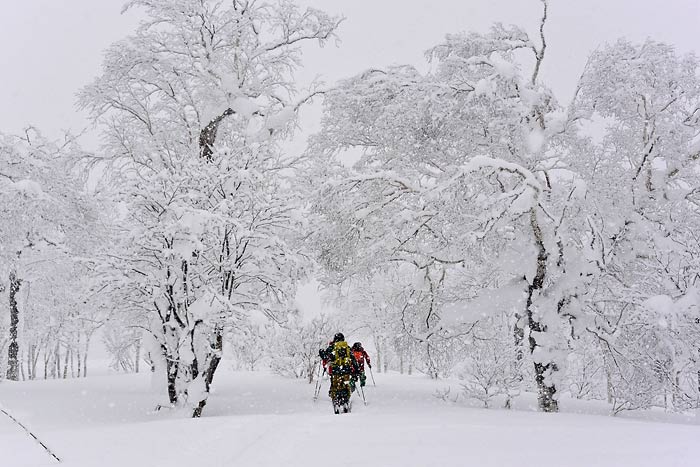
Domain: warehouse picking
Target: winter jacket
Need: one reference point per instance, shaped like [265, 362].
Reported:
[361, 357]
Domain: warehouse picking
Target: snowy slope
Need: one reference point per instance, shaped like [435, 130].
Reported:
[257, 419]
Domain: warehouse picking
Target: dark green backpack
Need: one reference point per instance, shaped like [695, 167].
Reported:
[341, 363]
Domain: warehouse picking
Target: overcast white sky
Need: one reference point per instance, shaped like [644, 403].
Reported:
[50, 48]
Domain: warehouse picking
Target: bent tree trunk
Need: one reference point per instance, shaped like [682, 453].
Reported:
[13, 350]
[214, 358]
[207, 140]
[546, 389]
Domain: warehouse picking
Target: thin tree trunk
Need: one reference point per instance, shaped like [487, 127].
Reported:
[138, 355]
[88, 336]
[310, 367]
[378, 357]
[30, 354]
[432, 368]
[57, 362]
[674, 394]
[13, 349]
[66, 360]
[72, 365]
[21, 367]
[518, 337]
[35, 361]
[79, 359]
[608, 379]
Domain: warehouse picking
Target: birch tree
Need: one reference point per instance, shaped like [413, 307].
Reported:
[643, 179]
[194, 106]
[463, 178]
[48, 224]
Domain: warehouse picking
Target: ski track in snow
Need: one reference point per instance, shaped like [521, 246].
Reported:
[261, 420]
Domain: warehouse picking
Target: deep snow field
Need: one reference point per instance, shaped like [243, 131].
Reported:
[259, 420]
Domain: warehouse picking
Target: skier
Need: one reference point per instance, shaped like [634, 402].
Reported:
[361, 357]
[342, 368]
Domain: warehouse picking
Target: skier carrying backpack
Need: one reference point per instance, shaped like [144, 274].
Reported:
[342, 368]
[361, 357]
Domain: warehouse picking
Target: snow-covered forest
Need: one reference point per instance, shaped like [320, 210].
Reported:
[493, 244]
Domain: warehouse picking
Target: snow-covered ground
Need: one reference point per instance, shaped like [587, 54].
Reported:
[259, 419]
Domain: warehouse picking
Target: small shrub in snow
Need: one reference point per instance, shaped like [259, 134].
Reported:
[293, 349]
[444, 394]
[492, 367]
[586, 371]
[248, 346]
[638, 370]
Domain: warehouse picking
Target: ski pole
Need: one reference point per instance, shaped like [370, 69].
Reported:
[362, 391]
[372, 375]
[32, 435]
[317, 390]
[320, 383]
